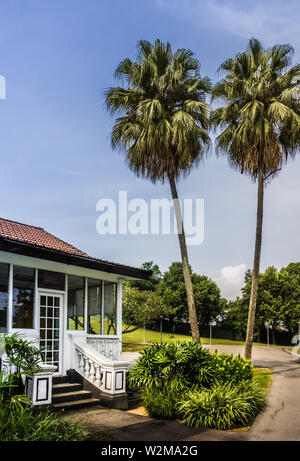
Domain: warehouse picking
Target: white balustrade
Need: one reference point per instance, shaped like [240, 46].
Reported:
[108, 374]
[88, 367]
[111, 348]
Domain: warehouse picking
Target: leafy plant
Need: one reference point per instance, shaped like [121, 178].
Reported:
[225, 406]
[8, 395]
[230, 368]
[184, 363]
[187, 364]
[162, 403]
[22, 353]
[18, 424]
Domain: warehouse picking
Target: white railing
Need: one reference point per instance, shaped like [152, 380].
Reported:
[111, 348]
[88, 365]
[106, 372]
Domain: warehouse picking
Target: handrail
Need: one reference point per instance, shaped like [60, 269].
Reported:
[109, 347]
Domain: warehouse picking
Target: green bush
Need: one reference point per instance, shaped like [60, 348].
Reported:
[162, 403]
[229, 368]
[224, 406]
[18, 424]
[185, 363]
[188, 364]
[207, 390]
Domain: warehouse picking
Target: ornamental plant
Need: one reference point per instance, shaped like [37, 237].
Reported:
[224, 406]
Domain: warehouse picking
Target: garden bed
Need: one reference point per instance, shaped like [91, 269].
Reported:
[186, 382]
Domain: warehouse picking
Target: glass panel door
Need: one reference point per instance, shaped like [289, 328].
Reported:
[50, 333]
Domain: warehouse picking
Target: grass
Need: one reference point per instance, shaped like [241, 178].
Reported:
[26, 424]
[263, 377]
[133, 342]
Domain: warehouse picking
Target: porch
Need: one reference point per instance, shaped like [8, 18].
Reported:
[73, 315]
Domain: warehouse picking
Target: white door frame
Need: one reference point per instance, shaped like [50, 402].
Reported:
[61, 295]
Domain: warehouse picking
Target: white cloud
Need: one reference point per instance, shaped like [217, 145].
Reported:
[231, 280]
[271, 21]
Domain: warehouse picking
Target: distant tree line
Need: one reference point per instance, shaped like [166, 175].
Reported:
[163, 296]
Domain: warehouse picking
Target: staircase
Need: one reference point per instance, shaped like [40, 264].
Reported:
[67, 395]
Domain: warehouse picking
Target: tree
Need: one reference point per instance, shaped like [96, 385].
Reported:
[208, 301]
[289, 278]
[142, 308]
[162, 125]
[278, 302]
[147, 285]
[261, 125]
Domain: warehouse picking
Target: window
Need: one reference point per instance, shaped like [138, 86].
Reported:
[75, 302]
[94, 307]
[23, 297]
[110, 308]
[52, 280]
[4, 274]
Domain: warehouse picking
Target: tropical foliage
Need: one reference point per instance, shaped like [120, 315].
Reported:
[161, 125]
[224, 406]
[259, 119]
[179, 379]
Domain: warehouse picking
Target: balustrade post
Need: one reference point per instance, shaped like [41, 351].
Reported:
[92, 370]
[86, 367]
[98, 375]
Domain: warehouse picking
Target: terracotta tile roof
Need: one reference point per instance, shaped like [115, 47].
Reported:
[38, 237]
[35, 236]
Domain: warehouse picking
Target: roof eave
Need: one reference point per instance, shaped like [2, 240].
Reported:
[35, 251]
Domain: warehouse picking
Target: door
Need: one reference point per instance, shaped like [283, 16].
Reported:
[50, 329]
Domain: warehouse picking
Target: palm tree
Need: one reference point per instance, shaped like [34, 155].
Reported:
[162, 125]
[260, 126]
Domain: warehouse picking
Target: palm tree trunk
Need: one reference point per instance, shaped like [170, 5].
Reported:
[185, 264]
[256, 264]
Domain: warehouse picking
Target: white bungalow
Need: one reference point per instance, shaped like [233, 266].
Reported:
[70, 305]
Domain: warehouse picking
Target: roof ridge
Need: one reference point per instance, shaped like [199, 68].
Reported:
[22, 223]
[47, 232]
[41, 242]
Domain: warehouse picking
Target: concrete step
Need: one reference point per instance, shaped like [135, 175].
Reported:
[71, 396]
[76, 404]
[66, 387]
[60, 379]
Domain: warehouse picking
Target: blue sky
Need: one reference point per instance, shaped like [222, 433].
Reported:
[59, 56]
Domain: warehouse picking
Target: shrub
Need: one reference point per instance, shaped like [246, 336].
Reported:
[185, 363]
[230, 368]
[225, 406]
[22, 353]
[189, 364]
[162, 403]
[207, 390]
[18, 424]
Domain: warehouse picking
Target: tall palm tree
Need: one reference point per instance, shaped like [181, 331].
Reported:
[162, 125]
[260, 126]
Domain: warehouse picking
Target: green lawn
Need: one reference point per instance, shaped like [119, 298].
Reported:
[263, 377]
[134, 341]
